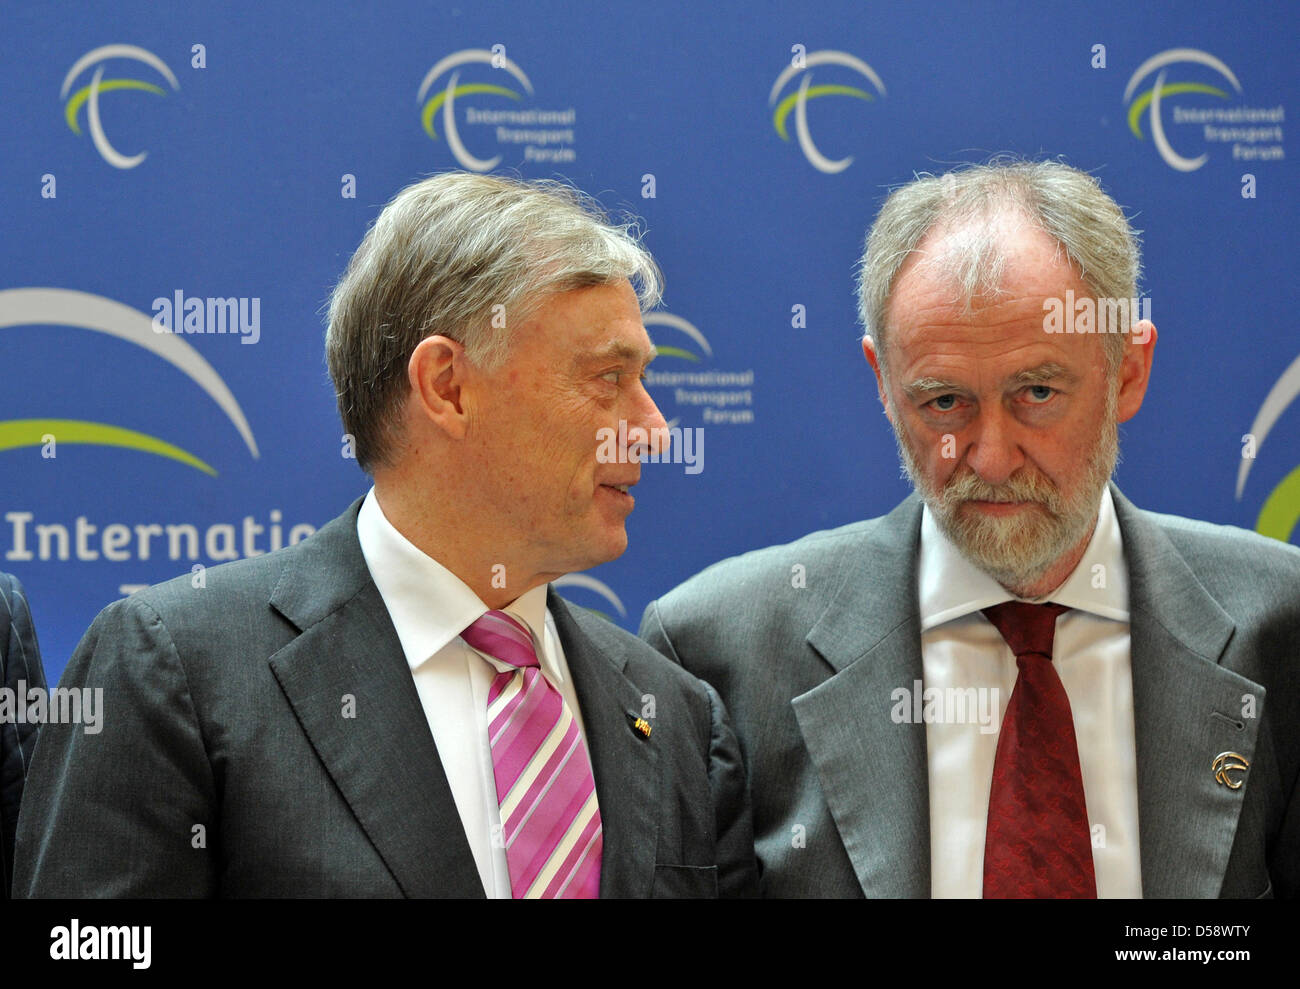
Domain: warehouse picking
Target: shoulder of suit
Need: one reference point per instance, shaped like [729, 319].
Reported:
[8, 592]
[611, 638]
[1234, 563]
[1228, 543]
[216, 587]
[226, 592]
[740, 576]
[11, 593]
[207, 608]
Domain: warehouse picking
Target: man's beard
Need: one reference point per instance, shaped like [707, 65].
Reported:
[1018, 550]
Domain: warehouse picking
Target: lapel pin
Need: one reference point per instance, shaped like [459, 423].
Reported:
[642, 727]
[1229, 762]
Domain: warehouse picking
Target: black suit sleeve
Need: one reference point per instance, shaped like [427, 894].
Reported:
[20, 670]
[115, 812]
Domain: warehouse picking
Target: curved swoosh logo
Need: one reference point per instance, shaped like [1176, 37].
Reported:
[677, 323]
[1154, 97]
[798, 102]
[1281, 510]
[17, 433]
[69, 307]
[89, 95]
[446, 100]
[591, 584]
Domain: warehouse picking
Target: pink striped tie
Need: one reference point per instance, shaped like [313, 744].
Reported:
[549, 818]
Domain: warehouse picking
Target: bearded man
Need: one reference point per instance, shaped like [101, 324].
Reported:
[1016, 684]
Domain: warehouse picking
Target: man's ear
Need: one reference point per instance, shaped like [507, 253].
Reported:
[869, 352]
[437, 372]
[1135, 370]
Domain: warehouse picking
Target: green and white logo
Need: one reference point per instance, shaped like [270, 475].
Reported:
[683, 326]
[89, 95]
[25, 307]
[1255, 133]
[1281, 509]
[542, 136]
[703, 394]
[797, 101]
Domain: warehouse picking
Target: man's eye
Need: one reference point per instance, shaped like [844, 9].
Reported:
[1038, 394]
[944, 403]
[612, 376]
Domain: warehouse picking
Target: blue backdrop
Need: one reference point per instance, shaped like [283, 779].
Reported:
[756, 142]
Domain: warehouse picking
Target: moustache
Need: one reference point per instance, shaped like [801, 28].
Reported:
[1030, 487]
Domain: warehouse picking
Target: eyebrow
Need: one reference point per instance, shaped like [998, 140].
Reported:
[1037, 375]
[1030, 376]
[617, 350]
[929, 386]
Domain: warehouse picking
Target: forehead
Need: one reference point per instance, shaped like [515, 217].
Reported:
[1001, 326]
[587, 321]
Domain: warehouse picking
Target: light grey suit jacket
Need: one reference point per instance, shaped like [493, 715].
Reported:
[228, 764]
[841, 800]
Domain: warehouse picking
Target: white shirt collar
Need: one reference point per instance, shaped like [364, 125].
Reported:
[429, 605]
[950, 586]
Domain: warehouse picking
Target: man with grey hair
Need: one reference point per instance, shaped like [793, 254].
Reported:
[1016, 684]
[400, 705]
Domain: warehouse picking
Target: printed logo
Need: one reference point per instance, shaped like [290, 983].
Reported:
[66, 307]
[798, 100]
[1254, 132]
[677, 323]
[89, 95]
[543, 135]
[1281, 509]
[721, 397]
[589, 583]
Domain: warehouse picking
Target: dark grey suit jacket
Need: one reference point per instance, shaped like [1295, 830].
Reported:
[227, 767]
[20, 671]
[841, 800]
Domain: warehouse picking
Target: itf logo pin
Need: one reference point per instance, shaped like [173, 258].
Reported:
[1226, 763]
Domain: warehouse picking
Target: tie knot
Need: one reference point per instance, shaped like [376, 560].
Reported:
[502, 637]
[1027, 628]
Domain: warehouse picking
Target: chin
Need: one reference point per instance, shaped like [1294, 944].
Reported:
[616, 546]
[607, 547]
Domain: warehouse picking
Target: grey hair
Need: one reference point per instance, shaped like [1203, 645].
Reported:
[1066, 203]
[470, 257]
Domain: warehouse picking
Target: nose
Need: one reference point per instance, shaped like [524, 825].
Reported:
[647, 415]
[995, 452]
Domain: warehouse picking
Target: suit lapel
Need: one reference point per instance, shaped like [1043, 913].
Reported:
[1187, 709]
[625, 764]
[382, 758]
[873, 772]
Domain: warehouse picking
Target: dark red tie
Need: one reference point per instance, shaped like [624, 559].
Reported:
[1037, 844]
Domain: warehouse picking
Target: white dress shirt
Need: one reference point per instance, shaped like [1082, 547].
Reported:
[430, 606]
[961, 648]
